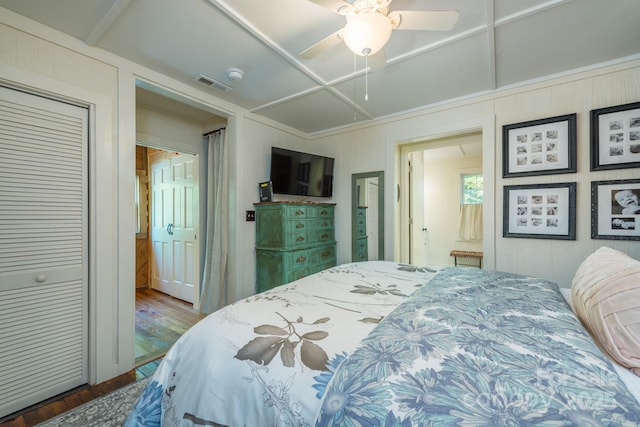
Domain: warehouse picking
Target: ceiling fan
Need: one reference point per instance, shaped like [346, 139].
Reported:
[370, 23]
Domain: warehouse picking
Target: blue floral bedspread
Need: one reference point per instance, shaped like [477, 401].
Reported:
[479, 348]
[390, 345]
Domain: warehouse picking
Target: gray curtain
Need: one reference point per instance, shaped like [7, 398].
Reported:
[214, 291]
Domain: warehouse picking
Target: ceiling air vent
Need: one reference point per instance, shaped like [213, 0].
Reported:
[213, 83]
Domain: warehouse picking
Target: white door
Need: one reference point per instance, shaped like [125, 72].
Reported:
[174, 225]
[161, 193]
[419, 233]
[43, 248]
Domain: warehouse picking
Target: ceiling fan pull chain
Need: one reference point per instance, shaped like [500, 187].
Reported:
[355, 115]
[366, 77]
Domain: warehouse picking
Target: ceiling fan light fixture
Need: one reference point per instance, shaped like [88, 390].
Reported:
[367, 32]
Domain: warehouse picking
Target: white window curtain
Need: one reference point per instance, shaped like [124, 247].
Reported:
[470, 227]
[214, 291]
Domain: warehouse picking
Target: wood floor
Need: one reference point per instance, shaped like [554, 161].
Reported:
[160, 321]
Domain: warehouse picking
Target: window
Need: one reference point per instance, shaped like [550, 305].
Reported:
[472, 189]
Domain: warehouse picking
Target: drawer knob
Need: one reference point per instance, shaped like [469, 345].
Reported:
[41, 278]
[301, 259]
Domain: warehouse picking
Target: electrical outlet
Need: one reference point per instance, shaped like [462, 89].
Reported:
[250, 216]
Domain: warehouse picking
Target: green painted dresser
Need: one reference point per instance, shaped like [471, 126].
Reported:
[362, 247]
[293, 240]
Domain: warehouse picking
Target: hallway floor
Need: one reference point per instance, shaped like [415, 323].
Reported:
[160, 321]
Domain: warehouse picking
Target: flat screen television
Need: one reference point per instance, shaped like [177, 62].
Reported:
[301, 174]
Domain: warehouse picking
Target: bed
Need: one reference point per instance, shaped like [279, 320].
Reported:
[385, 344]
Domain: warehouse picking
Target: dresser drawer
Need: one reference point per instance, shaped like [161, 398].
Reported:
[304, 233]
[296, 212]
[294, 275]
[297, 225]
[290, 225]
[293, 240]
[298, 259]
[323, 255]
[323, 224]
[274, 268]
[325, 235]
[276, 232]
[325, 212]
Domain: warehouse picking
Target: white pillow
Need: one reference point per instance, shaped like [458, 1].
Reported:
[632, 381]
[606, 298]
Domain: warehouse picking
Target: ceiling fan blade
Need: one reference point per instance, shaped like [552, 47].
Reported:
[324, 44]
[430, 20]
[332, 5]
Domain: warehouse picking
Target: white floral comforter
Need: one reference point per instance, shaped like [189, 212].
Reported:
[265, 360]
[350, 347]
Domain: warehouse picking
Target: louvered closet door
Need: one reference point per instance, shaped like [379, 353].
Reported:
[43, 274]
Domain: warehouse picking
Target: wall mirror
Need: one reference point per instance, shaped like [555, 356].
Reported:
[367, 216]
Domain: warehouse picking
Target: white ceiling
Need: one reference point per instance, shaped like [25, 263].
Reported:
[495, 44]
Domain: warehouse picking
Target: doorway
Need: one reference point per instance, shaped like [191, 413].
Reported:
[173, 128]
[167, 256]
[431, 172]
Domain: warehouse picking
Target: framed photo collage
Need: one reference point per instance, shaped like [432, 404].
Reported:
[548, 146]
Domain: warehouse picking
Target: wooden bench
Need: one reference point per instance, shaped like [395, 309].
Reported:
[466, 254]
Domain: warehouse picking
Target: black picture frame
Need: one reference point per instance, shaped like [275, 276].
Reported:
[540, 211]
[612, 217]
[539, 147]
[615, 137]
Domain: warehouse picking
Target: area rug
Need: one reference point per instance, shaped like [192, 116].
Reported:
[110, 410]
